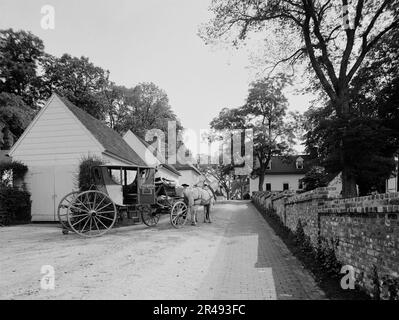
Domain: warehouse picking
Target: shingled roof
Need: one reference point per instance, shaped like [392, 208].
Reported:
[182, 166]
[112, 142]
[287, 165]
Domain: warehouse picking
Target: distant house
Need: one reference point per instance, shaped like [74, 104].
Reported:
[148, 154]
[52, 147]
[283, 173]
[189, 174]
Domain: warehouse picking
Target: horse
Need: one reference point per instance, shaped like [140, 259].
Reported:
[201, 194]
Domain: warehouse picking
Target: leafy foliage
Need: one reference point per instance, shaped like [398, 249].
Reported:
[77, 79]
[139, 109]
[84, 177]
[371, 133]
[15, 205]
[265, 112]
[222, 173]
[21, 53]
[316, 177]
[17, 168]
[15, 115]
[333, 49]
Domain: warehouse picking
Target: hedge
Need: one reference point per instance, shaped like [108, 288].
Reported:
[84, 175]
[15, 205]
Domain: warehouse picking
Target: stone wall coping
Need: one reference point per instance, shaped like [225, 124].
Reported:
[319, 193]
[379, 196]
[284, 194]
[360, 209]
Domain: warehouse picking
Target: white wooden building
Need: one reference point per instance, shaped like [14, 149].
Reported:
[189, 174]
[52, 147]
[283, 173]
[148, 154]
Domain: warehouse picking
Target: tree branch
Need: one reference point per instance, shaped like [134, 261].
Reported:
[368, 47]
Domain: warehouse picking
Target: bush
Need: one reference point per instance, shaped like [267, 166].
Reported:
[84, 176]
[18, 172]
[316, 177]
[15, 205]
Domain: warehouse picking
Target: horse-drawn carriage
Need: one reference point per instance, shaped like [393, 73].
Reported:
[121, 192]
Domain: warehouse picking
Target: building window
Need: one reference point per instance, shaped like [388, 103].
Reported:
[268, 187]
[300, 184]
[286, 186]
[299, 163]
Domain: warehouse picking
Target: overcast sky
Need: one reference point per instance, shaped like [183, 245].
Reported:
[143, 41]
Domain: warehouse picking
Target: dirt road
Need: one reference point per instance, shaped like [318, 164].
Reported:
[236, 257]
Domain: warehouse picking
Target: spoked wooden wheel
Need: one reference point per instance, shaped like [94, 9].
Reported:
[63, 208]
[149, 216]
[92, 214]
[178, 214]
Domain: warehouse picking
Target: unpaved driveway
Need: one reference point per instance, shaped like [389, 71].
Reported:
[237, 256]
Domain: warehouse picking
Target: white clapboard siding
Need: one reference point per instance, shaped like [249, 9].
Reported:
[57, 137]
[52, 147]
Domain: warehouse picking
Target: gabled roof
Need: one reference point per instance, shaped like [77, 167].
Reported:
[181, 166]
[165, 165]
[112, 142]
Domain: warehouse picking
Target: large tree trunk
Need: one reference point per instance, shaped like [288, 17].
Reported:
[261, 181]
[349, 189]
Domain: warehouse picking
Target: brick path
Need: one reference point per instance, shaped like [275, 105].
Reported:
[238, 256]
[254, 263]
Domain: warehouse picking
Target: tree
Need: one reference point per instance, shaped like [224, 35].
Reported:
[264, 112]
[20, 55]
[372, 135]
[222, 173]
[316, 177]
[142, 108]
[334, 50]
[15, 116]
[79, 80]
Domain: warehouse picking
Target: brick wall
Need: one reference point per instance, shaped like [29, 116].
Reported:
[366, 228]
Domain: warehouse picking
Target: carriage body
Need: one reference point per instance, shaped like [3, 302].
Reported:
[126, 185]
[119, 191]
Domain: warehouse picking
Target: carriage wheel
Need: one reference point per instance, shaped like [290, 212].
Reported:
[149, 216]
[92, 214]
[63, 208]
[178, 214]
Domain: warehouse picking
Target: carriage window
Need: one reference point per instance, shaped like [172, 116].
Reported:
[130, 176]
[116, 175]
